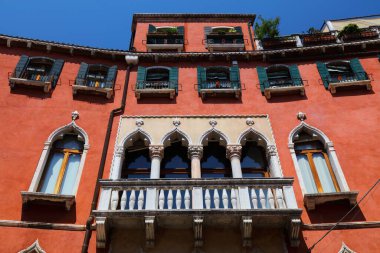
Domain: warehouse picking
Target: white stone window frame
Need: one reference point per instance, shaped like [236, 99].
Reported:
[32, 193]
[34, 248]
[312, 199]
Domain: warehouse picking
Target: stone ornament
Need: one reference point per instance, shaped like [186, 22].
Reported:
[301, 116]
[233, 150]
[139, 122]
[176, 122]
[74, 115]
[195, 150]
[213, 122]
[271, 150]
[156, 151]
[249, 122]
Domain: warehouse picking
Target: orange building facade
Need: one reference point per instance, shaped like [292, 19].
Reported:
[200, 138]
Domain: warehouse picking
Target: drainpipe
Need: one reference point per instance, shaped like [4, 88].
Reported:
[131, 60]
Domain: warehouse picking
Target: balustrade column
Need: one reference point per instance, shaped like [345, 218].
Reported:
[274, 163]
[156, 154]
[195, 153]
[234, 154]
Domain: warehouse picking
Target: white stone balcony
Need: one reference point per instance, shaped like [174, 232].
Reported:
[198, 204]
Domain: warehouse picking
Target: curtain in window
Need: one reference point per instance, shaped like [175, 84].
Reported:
[307, 175]
[71, 174]
[323, 173]
[52, 172]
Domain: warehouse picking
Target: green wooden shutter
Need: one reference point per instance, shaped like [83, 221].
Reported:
[82, 73]
[207, 31]
[111, 76]
[56, 71]
[151, 29]
[324, 73]
[295, 75]
[141, 73]
[201, 74]
[263, 77]
[357, 68]
[235, 76]
[181, 30]
[238, 29]
[21, 65]
[173, 77]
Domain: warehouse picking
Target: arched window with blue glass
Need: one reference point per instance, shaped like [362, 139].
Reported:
[253, 157]
[62, 167]
[137, 162]
[214, 163]
[176, 163]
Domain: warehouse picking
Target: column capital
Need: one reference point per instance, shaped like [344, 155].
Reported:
[156, 151]
[271, 150]
[119, 151]
[195, 151]
[234, 150]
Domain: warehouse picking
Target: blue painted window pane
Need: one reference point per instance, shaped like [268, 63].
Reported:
[176, 163]
[253, 156]
[137, 162]
[70, 174]
[51, 174]
[214, 156]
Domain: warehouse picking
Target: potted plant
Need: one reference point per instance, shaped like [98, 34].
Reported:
[352, 32]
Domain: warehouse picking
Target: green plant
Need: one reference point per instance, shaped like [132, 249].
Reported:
[313, 30]
[267, 28]
[349, 29]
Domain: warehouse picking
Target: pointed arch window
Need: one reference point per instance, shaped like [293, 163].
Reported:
[315, 165]
[137, 162]
[253, 160]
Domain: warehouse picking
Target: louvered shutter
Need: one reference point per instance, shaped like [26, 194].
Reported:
[141, 73]
[21, 65]
[201, 74]
[82, 73]
[357, 68]
[173, 78]
[263, 77]
[56, 71]
[151, 29]
[235, 76]
[111, 76]
[295, 75]
[207, 30]
[181, 30]
[324, 73]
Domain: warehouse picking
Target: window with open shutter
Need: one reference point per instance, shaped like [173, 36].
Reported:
[324, 73]
[56, 71]
[263, 77]
[82, 74]
[21, 65]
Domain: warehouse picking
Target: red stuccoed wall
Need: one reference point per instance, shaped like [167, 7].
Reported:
[28, 117]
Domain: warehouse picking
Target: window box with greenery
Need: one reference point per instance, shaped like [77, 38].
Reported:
[352, 32]
[315, 37]
[36, 71]
[219, 80]
[95, 78]
[280, 79]
[165, 38]
[342, 74]
[156, 82]
[224, 38]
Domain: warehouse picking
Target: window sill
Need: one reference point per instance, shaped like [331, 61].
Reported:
[107, 91]
[311, 200]
[178, 47]
[155, 92]
[333, 86]
[68, 200]
[284, 89]
[225, 47]
[45, 84]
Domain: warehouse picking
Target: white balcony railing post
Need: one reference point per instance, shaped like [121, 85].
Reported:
[197, 198]
[151, 201]
[244, 199]
[105, 199]
[290, 198]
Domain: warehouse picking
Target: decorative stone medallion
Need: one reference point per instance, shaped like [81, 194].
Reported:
[139, 122]
[213, 122]
[75, 115]
[176, 122]
[249, 122]
[301, 116]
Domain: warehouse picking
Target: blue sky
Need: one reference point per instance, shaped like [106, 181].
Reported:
[107, 24]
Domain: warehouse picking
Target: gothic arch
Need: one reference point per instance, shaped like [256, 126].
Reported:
[34, 248]
[72, 127]
[313, 131]
[137, 134]
[165, 141]
[261, 139]
[223, 139]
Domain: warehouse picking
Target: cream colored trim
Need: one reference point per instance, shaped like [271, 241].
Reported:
[34, 248]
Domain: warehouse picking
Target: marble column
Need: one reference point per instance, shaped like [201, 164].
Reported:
[117, 163]
[195, 153]
[234, 154]
[156, 154]
[274, 163]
